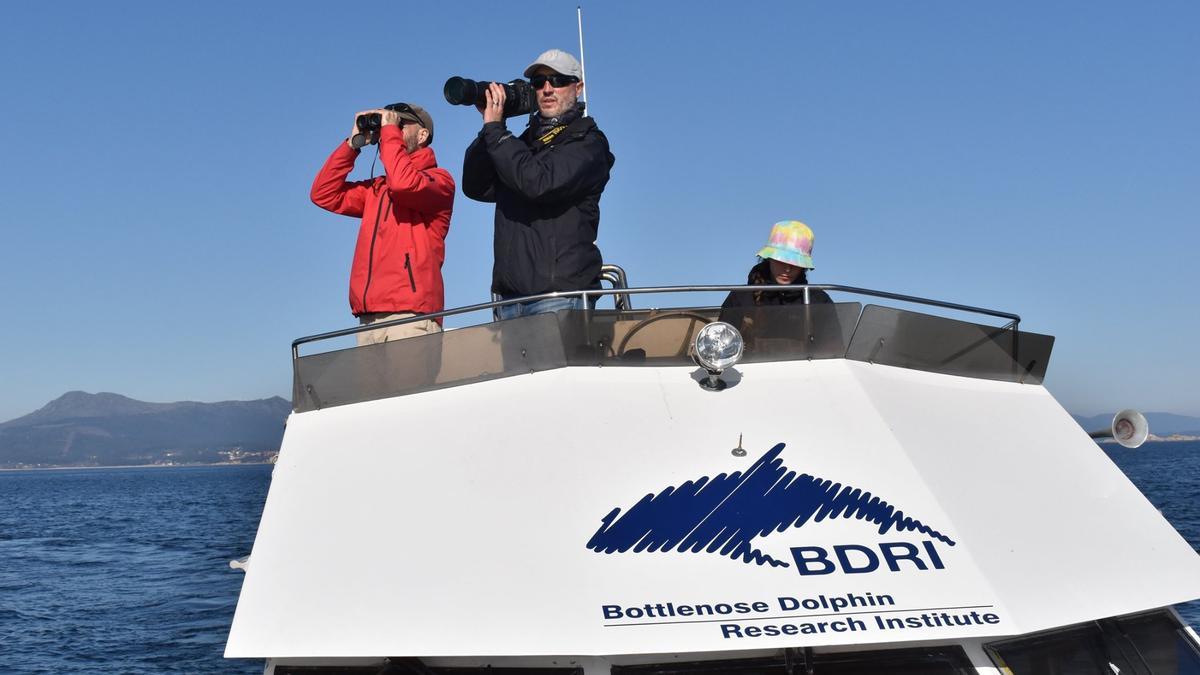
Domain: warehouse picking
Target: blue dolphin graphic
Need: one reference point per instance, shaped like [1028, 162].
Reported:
[724, 514]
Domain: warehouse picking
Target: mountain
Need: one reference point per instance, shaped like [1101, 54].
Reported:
[1161, 424]
[105, 429]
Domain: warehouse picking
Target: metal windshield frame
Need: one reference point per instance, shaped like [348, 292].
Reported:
[586, 295]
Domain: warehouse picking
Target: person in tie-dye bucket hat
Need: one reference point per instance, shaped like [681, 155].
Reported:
[784, 261]
[791, 243]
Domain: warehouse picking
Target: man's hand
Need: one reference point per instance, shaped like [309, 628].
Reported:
[493, 109]
[389, 117]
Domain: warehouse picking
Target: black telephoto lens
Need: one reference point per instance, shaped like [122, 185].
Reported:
[518, 95]
[461, 91]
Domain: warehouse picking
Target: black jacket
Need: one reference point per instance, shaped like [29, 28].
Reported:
[739, 307]
[547, 196]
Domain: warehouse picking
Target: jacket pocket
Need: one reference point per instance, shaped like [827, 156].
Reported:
[412, 283]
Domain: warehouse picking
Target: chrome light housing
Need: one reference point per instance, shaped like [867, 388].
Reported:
[1130, 428]
[718, 346]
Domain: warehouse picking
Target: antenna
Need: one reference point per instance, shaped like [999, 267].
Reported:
[582, 68]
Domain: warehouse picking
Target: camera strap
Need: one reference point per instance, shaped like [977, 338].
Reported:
[554, 135]
[550, 135]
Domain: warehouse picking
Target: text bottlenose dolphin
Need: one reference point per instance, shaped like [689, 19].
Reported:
[723, 515]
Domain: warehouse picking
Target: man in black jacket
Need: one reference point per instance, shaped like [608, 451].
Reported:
[546, 185]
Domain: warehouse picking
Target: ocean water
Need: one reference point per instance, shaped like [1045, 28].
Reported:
[1169, 475]
[126, 570]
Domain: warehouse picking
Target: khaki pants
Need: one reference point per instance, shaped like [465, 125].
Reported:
[414, 329]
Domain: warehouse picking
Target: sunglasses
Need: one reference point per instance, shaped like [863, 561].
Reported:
[406, 108]
[555, 80]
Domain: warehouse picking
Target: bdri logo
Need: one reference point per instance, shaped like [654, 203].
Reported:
[724, 515]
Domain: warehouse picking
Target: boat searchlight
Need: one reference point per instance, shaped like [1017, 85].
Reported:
[1129, 428]
[718, 346]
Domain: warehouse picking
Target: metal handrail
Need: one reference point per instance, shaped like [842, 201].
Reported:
[1014, 320]
[615, 275]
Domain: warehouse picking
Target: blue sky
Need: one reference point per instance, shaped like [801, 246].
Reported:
[157, 238]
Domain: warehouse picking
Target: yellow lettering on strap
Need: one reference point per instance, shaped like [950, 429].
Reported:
[549, 135]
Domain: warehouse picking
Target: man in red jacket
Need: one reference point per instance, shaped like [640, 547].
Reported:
[397, 268]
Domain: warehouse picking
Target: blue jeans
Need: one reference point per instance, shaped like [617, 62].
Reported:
[541, 306]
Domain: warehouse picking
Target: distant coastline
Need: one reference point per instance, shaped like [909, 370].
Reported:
[272, 458]
[81, 430]
[1173, 438]
[67, 467]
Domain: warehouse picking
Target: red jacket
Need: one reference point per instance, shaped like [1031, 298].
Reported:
[405, 217]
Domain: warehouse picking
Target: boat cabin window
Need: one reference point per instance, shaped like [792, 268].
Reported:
[949, 660]
[541, 342]
[663, 337]
[1151, 644]
[414, 667]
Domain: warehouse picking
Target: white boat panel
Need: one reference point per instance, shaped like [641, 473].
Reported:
[457, 522]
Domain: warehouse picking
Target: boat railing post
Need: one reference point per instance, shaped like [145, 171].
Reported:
[615, 275]
[808, 323]
[587, 317]
[1016, 345]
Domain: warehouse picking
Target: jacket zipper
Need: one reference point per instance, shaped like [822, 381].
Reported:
[408, 266]
[371, 253]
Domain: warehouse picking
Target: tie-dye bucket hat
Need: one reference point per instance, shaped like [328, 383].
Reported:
[791, 242]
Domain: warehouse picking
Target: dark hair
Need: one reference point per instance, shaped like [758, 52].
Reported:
[760, 275]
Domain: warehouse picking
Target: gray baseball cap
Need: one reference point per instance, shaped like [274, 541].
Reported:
[558, 61]
[414, 113]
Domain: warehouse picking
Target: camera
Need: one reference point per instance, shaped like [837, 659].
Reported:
[518, 95]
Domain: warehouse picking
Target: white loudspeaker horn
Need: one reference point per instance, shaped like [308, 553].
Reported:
[1129, 428]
